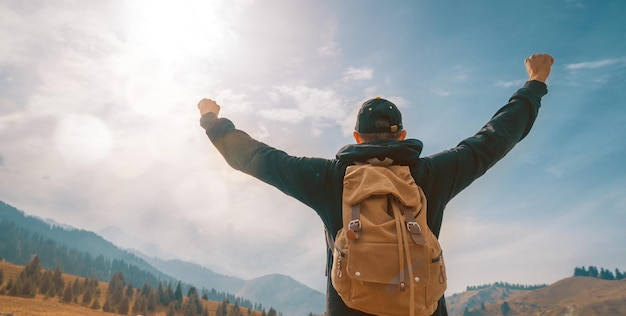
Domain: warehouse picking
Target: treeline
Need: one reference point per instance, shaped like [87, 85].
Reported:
[506, 285]
[73, 240]
[121, 297]
[601, 273]
[19, 245]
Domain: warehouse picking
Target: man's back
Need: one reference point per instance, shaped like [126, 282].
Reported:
[318, 182]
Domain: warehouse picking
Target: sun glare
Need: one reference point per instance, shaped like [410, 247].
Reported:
[83, 140]
[167, 44]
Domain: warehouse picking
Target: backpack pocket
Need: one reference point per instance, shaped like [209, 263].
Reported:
[376, 278]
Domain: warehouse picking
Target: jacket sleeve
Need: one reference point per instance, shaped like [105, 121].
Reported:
[300, 177]
[458, 167]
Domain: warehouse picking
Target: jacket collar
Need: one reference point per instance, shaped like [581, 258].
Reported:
[401, 152]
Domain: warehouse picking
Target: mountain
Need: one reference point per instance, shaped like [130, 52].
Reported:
[285, 294]
[571, 296]
[278, 291]
[282, 292]
[68, 239]
[121, 239]
[197, 275]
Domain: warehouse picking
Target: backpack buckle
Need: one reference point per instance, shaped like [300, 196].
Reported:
[413, 225]
[354, 229]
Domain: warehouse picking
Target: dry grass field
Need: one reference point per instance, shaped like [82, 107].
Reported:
[39, 305]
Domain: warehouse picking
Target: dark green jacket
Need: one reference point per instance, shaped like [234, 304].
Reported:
[317, 182]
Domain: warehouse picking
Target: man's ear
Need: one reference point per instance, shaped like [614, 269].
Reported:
[357, 137]
[403, 134]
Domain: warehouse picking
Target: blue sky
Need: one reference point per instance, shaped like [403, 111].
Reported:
[99, 126]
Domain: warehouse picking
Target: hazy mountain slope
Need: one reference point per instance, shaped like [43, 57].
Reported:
[285, 294]
[73, 238]
[197, 275]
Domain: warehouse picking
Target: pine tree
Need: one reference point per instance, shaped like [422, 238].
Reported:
[57, 279]
[505, 308]
[116, 288]
[169, 295]
[222, 308]
[139, 305]
[33, 268]
[87, 296]
[28, 288]
[46, 282]
[68, 294]
[14, 287]
[129, 290]
[272, 312]
[107, 306]
[77, 287]
[235, 310]
[124, 306]
[95, 305]
[178, 295]
[151, 302]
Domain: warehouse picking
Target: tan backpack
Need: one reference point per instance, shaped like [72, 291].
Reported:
[386, 261]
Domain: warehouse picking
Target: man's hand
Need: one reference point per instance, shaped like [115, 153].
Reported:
[538, 66]
[208, 105]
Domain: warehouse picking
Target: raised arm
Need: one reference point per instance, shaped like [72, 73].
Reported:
[458, 167]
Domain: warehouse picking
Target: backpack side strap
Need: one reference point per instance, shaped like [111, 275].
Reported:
[412, 226]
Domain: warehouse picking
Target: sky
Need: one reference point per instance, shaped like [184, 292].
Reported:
[99, 128]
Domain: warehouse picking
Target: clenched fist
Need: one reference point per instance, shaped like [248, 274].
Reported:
[538, 66]
[208, 105]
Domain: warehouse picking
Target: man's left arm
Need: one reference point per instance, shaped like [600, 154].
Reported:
[299, 177]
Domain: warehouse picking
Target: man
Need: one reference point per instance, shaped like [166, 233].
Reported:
[379, 134]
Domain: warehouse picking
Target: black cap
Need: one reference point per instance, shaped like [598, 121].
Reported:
[378, 116]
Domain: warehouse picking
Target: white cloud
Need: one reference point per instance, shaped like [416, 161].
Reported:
[509, 84]
[283, 115]
[330, 49]
[316, 103]
[440, 92]
[358, 74]
[596, 63]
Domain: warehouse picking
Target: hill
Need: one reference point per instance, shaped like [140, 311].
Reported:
[571, 296]
[459, 302]
[56, 243]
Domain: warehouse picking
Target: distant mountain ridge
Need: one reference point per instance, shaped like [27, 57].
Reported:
[282, 290]
[277, 290]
